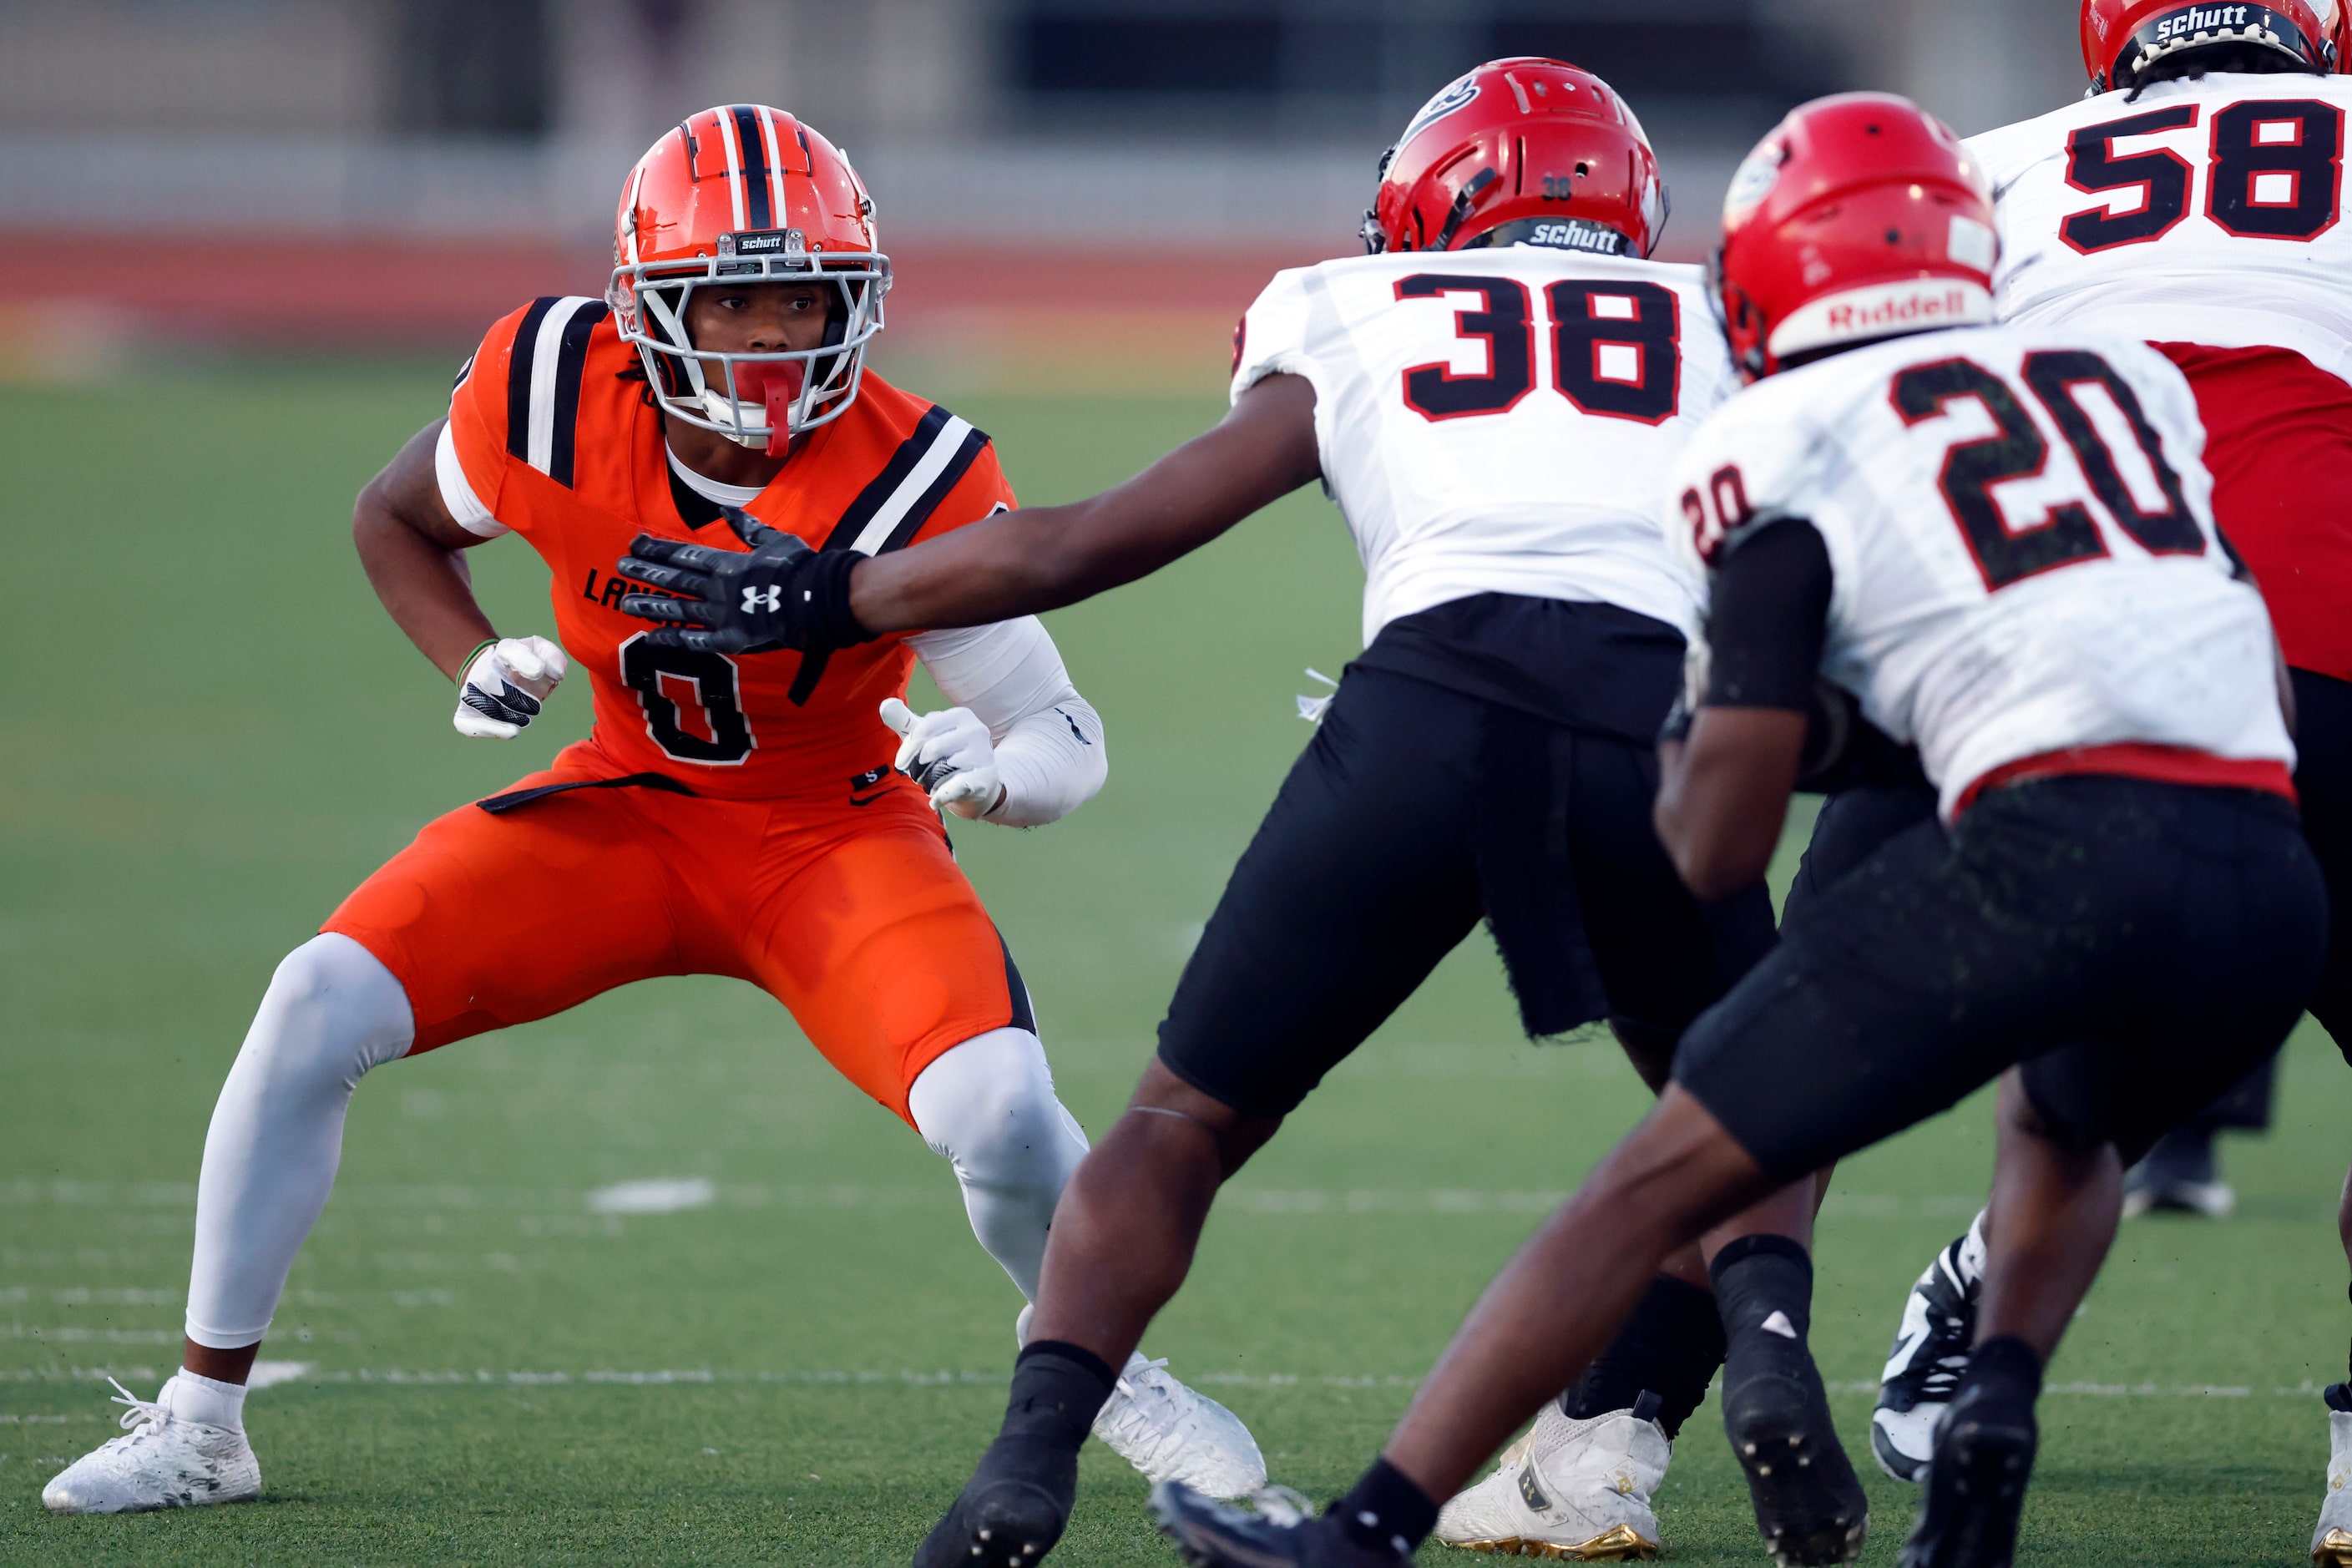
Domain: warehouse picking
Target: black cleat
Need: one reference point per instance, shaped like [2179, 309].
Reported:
[1975, 1485]
[1810, 1507]
[1208, 1534]
[1005, 1518]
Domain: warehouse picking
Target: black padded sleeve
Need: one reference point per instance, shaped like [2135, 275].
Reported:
[1768, 618]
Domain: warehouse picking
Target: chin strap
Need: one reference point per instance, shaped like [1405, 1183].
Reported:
[1460, 211]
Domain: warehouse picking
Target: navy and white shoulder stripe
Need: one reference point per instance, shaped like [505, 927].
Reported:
[892, 508]
[551, 348]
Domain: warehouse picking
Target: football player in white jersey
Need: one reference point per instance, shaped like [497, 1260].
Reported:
[2196, 200]
[1494, 398]
[1992, 542]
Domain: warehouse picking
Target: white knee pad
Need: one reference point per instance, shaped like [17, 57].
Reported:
[988, 1106]
[332, 1011]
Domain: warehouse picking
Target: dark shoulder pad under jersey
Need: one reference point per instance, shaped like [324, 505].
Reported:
[901, 497]
[1768, 617]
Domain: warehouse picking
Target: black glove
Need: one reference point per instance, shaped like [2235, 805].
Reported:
[782, 595]
[1677, 726]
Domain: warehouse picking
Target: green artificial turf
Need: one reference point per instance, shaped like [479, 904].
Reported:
[210, 733]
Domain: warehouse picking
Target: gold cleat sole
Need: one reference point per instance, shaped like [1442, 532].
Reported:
[2332, 1550]
[1622, 1544]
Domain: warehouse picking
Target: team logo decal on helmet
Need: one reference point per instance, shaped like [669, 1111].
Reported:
[747, 196]
[1860, 216]
[1456, 95]
[2121, 38]
[1520, 152]
[1754, 179]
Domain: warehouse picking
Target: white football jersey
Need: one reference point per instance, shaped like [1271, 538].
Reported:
[2020, 541]
[1498, 421]
[2203, 211]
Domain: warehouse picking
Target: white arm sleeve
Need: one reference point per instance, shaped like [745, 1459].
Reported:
[1048, 738]
[457, 491]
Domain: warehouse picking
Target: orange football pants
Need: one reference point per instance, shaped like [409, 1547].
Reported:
[855, 917]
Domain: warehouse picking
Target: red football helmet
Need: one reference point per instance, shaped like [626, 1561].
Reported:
[2121, 38]
[745, 193]
[1858, 217]
[1520, 152]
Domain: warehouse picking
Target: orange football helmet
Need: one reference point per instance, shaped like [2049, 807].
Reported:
[745, 193]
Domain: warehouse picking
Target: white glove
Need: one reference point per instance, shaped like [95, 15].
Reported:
[503, 686]
[950, 754]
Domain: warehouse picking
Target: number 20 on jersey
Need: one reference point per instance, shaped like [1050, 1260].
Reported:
[1616, 347]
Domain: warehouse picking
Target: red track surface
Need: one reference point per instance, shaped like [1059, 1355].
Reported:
[368, 295]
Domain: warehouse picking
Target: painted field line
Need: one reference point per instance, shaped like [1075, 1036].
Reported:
[268, 1373]
[671, 1193]
[177, 1295]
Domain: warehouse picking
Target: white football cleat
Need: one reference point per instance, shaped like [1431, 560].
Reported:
[2331, 1541]
[1170, 1433]
[167, 1461]
[1578, 1491]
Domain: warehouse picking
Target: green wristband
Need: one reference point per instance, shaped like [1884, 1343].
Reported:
[472, 654]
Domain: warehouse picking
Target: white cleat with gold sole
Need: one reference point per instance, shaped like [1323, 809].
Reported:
[2331, 1542]
[1576, 1491]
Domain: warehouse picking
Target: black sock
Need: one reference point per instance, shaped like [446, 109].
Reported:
[2347, 1383]
[2339, 1394]
[2005, 1366]
[1385, 1512]
[1669, 1348]
[1763, 1285]
[1059, 1388]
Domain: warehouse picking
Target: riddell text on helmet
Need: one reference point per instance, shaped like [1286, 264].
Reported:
[1917, 307]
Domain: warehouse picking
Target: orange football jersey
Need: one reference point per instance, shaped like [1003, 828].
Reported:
[565, 451]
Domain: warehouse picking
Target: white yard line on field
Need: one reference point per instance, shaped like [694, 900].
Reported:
[665, 1194]
[268, 1373]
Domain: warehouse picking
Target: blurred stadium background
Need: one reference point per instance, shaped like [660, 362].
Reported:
[1079, 193]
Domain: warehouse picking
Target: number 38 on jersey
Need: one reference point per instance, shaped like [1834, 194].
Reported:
[1615, 346]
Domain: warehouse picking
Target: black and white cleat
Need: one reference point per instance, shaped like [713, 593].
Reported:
[1930, 1352]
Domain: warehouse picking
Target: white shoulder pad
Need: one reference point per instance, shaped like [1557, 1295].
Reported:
[1272, 339]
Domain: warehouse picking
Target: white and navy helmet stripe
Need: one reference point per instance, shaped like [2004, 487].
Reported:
[728, 143]
[550, 350]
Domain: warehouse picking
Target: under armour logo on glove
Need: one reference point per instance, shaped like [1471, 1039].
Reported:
[778, 594]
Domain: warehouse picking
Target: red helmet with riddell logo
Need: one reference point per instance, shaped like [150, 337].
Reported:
[1858, 217]
[736, 195]
[2121, 38]
[1520, 152]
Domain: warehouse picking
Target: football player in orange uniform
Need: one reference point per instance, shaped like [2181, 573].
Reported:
[748, 815]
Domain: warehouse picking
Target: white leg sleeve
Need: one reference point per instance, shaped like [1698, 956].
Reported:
[988, 1105]
[331, 1011]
